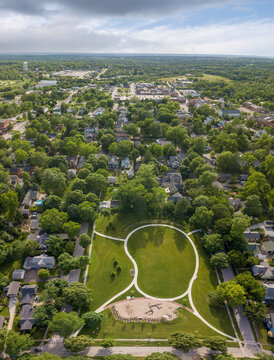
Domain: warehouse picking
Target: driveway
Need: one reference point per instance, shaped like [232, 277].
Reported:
[12, 310]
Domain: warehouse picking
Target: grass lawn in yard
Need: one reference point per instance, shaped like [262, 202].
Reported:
[116, 329]
[104, 253]
[165, 260]
[206, 282]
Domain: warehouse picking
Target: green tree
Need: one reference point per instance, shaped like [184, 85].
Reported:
[232, 292]
[84, 240]
[255, 311]
[52, 220]
[20, 155]
[202, 218]
[227, 162]
[16, 343]
[77, 295]
[78, 343]
[181, 208]
[106, 141]
[95, 183]
[179, 136]
[161, 356]
[253, 206]
[72, 229]
[92, 319]
[64, 324]
[54, 181]
[108, 343]
[9, 202]
[86, 212]
[55, 245]
[184, 341]
[52, 201]
[207, 178]
[220, 261]
[119, 357]
[66, 262]
[146, 176]
[216, 343]
[43, 274]
[254, 289]
[31, 248]
[213, 243]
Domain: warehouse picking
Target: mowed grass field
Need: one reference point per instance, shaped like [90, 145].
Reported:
[104, 253]
[165, 259]
[203, 285]
[213, 78]
[113, 328]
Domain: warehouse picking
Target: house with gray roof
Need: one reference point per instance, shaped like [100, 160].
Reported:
[252, 235]
[18, 274]
[269, 292]
[27, 320]
[13, 289]
[39, 262]
[28, 294]
[263, 271]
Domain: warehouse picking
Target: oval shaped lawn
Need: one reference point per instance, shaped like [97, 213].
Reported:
[165, 259]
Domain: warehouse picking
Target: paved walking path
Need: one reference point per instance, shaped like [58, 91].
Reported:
[135, 279]
[108, 237]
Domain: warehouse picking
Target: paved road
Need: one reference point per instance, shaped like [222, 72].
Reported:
[74, 275]
[242, 320]
[55, 346]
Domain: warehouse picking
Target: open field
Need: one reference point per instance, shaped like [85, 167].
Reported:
[113, 328]
[212, 78]
[165, 260]
[104, 253]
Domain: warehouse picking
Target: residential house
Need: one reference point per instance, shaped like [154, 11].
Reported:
[27, 320]
[257, 251]
[72, 161]
[230, 113]
[112, 180]
[172, 182]
[236, 203]
[13, 289]
[175, 197]
[113, 163]
[99, 111]
[269, 297]
[39, 262]
[28, 294]
[263, 271]
[252, 235]
[114, 204]
[269, 229]
[125, 163]
[18, 274]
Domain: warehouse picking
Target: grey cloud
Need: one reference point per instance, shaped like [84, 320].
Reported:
[108, 7]
[60, 38]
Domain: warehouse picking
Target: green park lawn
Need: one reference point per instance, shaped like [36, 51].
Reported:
[104, 253]
[113, 328]
[206, 282]
[165, 260]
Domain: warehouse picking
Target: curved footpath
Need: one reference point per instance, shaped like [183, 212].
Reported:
[135, 282]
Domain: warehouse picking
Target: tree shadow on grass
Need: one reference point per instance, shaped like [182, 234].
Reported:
[180, 240]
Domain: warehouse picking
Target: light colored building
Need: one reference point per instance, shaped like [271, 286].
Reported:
[25, 66]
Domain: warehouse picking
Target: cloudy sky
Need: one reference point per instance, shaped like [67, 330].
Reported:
[237, 27]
